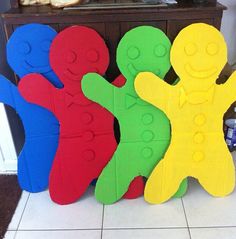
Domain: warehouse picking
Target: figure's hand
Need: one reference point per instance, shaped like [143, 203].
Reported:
[38, 90]
[97, 89]
[8, 92]
[152, 89]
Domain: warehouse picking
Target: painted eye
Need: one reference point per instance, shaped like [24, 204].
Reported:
[190, 49]
[212, 49]
[71, 57]
[92, 55]
[160, 50]
[133, 53]
[24, 48]
[45, 45]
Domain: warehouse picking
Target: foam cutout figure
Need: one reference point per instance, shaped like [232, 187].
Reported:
[41, 130]
[145, 131]
[87, 139]
[28, 51]
[195, 107]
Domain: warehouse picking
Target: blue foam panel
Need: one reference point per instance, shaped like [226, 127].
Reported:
[41, 138]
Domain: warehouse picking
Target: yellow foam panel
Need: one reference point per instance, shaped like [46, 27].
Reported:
[195, 107]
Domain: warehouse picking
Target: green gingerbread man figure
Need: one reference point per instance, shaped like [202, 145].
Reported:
[145, 131]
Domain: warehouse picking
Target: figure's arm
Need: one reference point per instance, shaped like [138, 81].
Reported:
[9, 93]
[153, 89]
[38, 90]
[97, 89]
[52, 77]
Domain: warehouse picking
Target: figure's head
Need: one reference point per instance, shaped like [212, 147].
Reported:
[143, 48]
[28, 49]
[198, 54]
[78, 50]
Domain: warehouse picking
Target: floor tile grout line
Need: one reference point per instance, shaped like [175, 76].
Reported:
[15, 235]
[148, 228]
[21, 216]
[142, 228]
[199, 227]
[103, 209]
[186, 219]
[59, 230]
[130, 228]
[98, 229]
[185, 214]
[22, 213]
[14, 231]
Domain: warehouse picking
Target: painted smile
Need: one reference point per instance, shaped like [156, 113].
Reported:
[71, 75]
[134, 71]
[39, 69]
[201, 74]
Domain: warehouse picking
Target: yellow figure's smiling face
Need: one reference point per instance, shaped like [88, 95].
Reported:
[199, 53]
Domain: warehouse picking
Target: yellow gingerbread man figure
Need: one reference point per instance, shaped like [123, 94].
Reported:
[195, 107]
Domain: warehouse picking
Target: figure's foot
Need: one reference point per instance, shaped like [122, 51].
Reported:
[136, 188]
[61, 192]
[29, 179]
[219, 181]
[67, 184]
[182, 189]
[105, 190]
[161, 184]
[110, 187]
[29, 186]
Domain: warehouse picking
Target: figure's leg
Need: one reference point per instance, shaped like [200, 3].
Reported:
[217, 172]
[68, 177]
[136, 188]
[35, 162]
[164, 181]
[159, 149]
[77, 164]
[61, 186]
[23, 173]
[116, 177]
[68, 182]
[182, 189]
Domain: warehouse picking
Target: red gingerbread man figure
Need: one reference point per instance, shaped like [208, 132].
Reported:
[87, 139]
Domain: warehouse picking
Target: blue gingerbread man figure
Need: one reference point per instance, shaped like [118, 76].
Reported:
[41, 138]
[28, 52]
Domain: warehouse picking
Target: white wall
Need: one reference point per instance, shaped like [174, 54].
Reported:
[228, 28]
[8, 158]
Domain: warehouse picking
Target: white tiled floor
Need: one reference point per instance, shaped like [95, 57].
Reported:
[196, 216]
